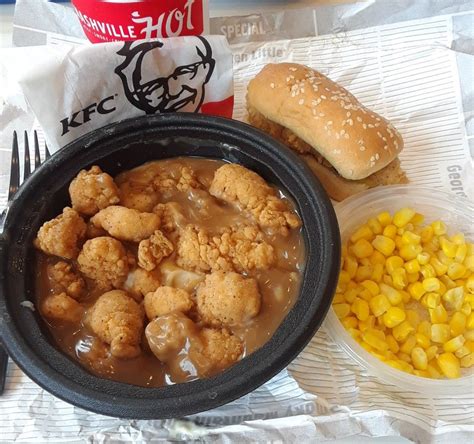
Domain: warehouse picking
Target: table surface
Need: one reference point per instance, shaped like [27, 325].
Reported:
[219, 8]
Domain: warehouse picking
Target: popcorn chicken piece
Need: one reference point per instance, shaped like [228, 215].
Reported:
[92, 191]
[126, 224]
[183, 179]
[117, 320]
[104, 260]
[167, 335]
[228, 299]
[165, 300]
[236, 248]
[93, 231]
[140, 282]
[62, 235]
[62, 307]
[171, 215]
[63, 278]
[237, 185]
[138, 196]
[215, 351]
[151, 251]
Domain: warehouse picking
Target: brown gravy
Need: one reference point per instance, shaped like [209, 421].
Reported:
[279, 286]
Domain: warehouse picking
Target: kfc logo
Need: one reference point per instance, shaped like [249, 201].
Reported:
[183, 90]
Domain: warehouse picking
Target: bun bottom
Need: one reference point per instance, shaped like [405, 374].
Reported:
[335, 185]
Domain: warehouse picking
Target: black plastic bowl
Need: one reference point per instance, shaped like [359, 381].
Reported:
[123, 146]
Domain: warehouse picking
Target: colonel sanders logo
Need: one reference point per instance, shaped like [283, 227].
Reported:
[183, 90]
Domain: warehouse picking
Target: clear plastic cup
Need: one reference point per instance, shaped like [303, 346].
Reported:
[458, 214]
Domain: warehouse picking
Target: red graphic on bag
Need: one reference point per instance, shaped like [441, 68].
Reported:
[123, 20]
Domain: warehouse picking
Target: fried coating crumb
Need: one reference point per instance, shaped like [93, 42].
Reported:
[227, 299]
[126, 224]
[63, 278]
[62, 235]
[140, 282]
[236, 248]
[62, 307]
[237, 185]
[138, 196]
[118, 320]
[165, 300]
[183, 181]
[151, 251]
[171, 215]
[167, 335]
[215, 351]
[104, 260]
[92, 191]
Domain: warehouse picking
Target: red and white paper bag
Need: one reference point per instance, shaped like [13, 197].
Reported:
[78, 89]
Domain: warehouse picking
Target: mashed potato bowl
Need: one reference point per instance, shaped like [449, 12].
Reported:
[123, 146]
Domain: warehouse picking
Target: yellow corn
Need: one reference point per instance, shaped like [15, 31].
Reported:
[428, 271]
[361, 309]
[432, 352]
[383, 244]
[443, 258]
[404, 357]
[453, 344]
[390, 231]
[341, 310]
[365, 294]
[387, 280]
[469, 285]
[440, 333]
[461, 352]
[433, 371]
[408, 237]
[416, 290]
[412, 266]
[469, 335]
[438, 315]
[371, 286]
[457, 324]
[439, 228]
[461, 253]
[393, 295]
[384, 218]
[392, 344]
[449, 365]
[449, 283]
[350, 266]
[395, 364]
[417, 219]
[377, 258]
[439, 268]
[431, 300]
[470, 321]
[349, 322]
[413, 277]
[419, 358]
[469, 263]
[467, 361]
[354, 333]
[456, 271]
[422, 340]
[431, 284]
[401, 331]
[399, 277]
[379, 304]
[448, 248]
[409, 344]
[427, 234]
[424, 328]
[466, 309]
[392, 263]
[363, 272]
[375, 225]
[364, 232]
[423, 258]
[377, 272]
[350, 295]
[393, 317]
[458, 239]
[454, 298]
[376, 339]
[403, 216]
[338, 298]
[410, 251]
[413, 317]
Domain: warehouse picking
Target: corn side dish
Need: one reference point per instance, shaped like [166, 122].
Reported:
[406, 294]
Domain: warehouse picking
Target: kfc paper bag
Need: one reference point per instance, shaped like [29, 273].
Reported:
[78, 89]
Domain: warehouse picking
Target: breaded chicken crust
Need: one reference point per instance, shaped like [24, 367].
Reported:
[165, 300]
[64, 279]
[62, 307]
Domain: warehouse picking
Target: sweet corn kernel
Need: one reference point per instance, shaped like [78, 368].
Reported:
[469, 335]
[454, 298]
[341, 310]
[393, 295]
[453, 344]
[427, 234]
[363, 272]
[350, 266]
[351, 294]
[354, 333]
[424, 328]
[417, 219]
[431, 300]
[428, 271]
[416, 290]
[422, 373]
[466, 309]
[456, 271]
[433, 372]
[449, 283]
[387, 280]
[384, 218]
[362, 248]
[449, 365]
[431, 284]
[364, 232]
[383, 244]
[377, 258]
[390, 231]
[367, 324]
[409, 344]
[443, 258]
[338, 298]
[470, 345]
[401, 331]
[371, 286]
[392, 263]
[467, 361]
[379, 304]
[410, 251]
[361, 309]
[470, 284]
[439, 268]
[413, 277]
[408, 237]
[412, 266]
[470, 321]
[461, 253]
[367, 347]
[344, 277]
[399, 277]
[365, 294]
[469, 263]
[393, 317]
[392, 344]
[458, 239]
[423, 258]
[375, 339]
[461, 352]
[457, 324]
[438, 315]
[395, 364]
[439, 228]
[422, 340]
[413, 317]
[440, 333]
[403, 216]
[448, 248]
[419, 358]
[404, 357]
[349, 322]
[432, 352]
[375, 225]
[377, 272]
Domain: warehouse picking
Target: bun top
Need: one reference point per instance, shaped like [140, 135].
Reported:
[356, 141]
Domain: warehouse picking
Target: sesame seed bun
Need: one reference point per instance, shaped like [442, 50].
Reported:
[324, 118]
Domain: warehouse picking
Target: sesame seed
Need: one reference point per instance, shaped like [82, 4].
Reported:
[350, 121]
[370, 125]
[302, 90]
[377, 119]
[321, 114]
[323, 97]
[338, 136]
[372, 158]
[377, 156]
[293, 94]
[385, 147]
[372, 164]
[362, 148]
[292, 68]
[346, 136]
[313, 111]
[379, 134]
[300, 102]
[384, 139]
[377, 125]
[330, 122]
[359, 119]
[342, 132]
[288, 79]
[348, 114]
[344, 123]
[272, 85]
[336, 151]
[364, 126]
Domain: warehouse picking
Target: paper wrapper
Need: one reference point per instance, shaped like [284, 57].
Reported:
[416, 70]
